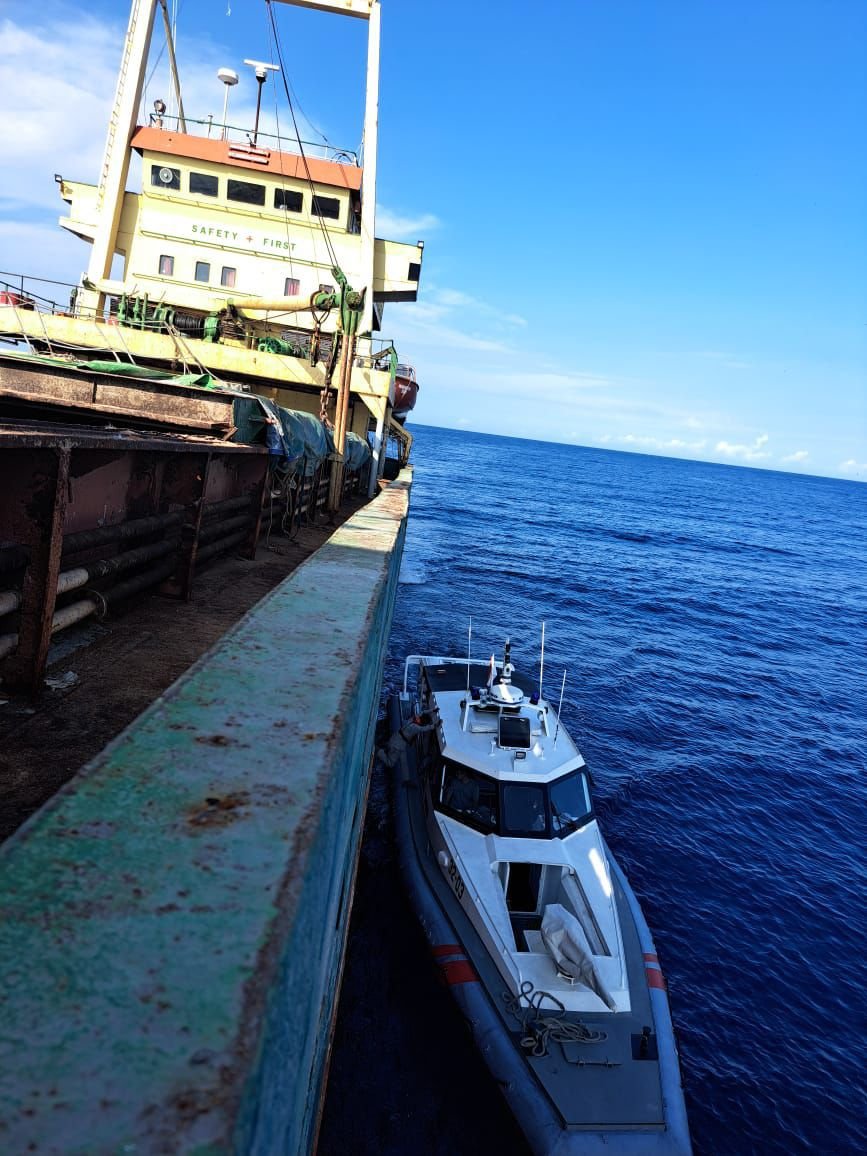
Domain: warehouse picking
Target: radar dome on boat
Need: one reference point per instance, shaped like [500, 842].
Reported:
[506, 694]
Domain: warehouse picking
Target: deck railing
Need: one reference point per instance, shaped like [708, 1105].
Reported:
[20, 289]
[235, 134]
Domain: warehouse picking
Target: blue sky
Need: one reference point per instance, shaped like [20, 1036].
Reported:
[645, 222]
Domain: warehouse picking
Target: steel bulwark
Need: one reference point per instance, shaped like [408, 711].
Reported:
[82, 497]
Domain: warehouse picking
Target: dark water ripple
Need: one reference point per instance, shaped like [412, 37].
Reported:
[713, 623]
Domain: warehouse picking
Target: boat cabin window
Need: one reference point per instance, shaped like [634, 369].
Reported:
[468, 796]
[165, 177]
[167, 266]
[570, 804]
[523, 809]
[519, 810]
[291, 286]
[289, 199]
[326, 207]
[204, 184]
[244, 191]
[227, 277]
[203, 271]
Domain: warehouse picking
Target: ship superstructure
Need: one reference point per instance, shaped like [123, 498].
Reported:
[250, 258]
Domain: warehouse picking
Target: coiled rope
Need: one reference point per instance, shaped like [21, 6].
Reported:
[539, 1025]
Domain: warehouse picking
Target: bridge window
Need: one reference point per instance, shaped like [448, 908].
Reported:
[203, 271]
[326, 207]
[291, 286]
[165, 177]
[167, 266]
[289, 199]
[570, 804]
[204, 184]
[227, 277]
[247, 193]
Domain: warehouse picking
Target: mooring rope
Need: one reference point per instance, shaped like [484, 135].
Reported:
[539, 1025]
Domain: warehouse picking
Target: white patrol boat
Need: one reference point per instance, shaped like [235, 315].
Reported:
[533, 924]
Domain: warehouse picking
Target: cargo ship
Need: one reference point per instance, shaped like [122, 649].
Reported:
[246, 313]
[173, 919]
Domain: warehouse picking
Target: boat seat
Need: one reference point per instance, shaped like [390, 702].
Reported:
[535, 942]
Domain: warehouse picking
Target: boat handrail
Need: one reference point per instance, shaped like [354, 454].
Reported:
[418, 659]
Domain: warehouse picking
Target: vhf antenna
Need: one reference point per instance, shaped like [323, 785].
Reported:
[560, 707]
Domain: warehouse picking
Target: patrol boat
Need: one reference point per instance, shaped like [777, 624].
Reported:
[534, 925]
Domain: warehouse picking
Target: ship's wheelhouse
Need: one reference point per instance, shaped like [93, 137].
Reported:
[523, 809]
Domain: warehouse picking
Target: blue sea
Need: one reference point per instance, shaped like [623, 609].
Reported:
[712, 623]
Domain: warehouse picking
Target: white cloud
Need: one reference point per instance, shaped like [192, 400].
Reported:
[797, 456]
[58, 80]
[660, 445]
[852, 467]
[394, 227]
[746, 453]
[456, 299]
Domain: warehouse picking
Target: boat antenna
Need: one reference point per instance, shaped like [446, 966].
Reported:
[560, 706]
[469, 642]
[542, 660]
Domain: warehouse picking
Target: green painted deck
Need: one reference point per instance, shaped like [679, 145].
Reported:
[172, 923]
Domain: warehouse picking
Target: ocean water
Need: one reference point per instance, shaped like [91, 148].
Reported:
[712, 623]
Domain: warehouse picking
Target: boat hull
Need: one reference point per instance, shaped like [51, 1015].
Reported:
[405, 396]
[478, 991]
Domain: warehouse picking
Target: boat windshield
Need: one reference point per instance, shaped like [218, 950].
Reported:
[570, 804]
[472, 798]
[523, 809]
[520, 810]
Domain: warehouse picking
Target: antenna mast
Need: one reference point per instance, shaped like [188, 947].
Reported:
[469, 643]
[542, 661]
[560, 706]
